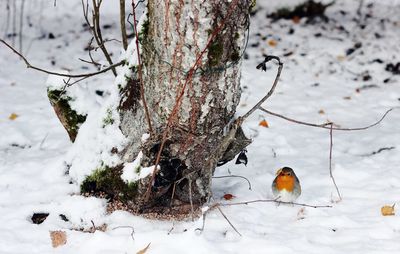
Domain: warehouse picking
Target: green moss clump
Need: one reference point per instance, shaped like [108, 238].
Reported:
[108, 181]
[137, 169]
[108, 120]
[69, 118]
[253, 4]
[215, 52]
[145, 30]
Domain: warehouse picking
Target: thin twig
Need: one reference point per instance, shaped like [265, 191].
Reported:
[83, 75]
[227, 176]
[230, 223]
[190, 197]
[14, 22]
[380, 150]
[96, 29]
[178, 102]
[21, 24]
[271, 91]
[327, 125]
[122, 23]
[330, 161]
[274, 201]
[132, 232]
[210, 208]
[140, 74]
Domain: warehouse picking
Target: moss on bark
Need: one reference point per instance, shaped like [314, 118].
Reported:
[107, 181]
[68, 117]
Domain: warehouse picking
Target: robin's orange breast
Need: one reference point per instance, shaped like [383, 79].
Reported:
[285, 182]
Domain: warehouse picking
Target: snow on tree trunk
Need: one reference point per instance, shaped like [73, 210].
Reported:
[172, 38]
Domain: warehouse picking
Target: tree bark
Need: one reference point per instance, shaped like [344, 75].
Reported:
[172, 38]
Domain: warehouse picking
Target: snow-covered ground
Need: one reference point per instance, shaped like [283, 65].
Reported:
[319, 83]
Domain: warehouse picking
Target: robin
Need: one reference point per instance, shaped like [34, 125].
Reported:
[286, 185]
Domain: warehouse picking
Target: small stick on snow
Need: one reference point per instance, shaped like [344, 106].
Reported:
[274, 201]
[132, 232]
[248, 181]
[330, 162]
[230, 223]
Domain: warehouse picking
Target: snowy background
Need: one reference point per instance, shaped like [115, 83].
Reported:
[319, 83]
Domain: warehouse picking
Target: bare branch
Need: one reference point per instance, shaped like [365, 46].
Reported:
[274, 201]
[271, 91]
[122, 22]
[96, 29]
[132, 232]
[330, 161]
[227, 176]
[230, 223]
[326, 125]
[83, 75]
[146, 110]
[21, 24]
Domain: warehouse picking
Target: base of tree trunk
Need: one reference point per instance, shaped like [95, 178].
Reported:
[173, 212]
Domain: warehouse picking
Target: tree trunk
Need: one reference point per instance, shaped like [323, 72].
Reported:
[172, 39]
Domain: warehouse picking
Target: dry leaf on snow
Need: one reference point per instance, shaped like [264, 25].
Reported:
[58, 238]
[272, 43]
[143, 251]
[228, 196]
[13, 116]
[264, 123]
[387, 210]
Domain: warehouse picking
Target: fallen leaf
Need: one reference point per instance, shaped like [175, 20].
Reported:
[341, 58]
[321, 111]
[296, 19]
[228, 196]
[264, 123]
[387, 210]
[143, 251]
[347, 98]
[272, 43]
[58, 238]
[13, 116]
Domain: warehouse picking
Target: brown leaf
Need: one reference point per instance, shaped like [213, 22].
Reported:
[264, 123]
[321, 111]
[143, 251]
[58, 238]
[228, 196]
[341, 58]
[296, 19]
[272, 43]
[13, 116]
[347, 98]
[387, 210]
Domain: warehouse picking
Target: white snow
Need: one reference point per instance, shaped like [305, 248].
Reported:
[34, 148]
[133, 172]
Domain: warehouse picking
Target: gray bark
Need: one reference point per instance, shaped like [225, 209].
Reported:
[177, 32]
